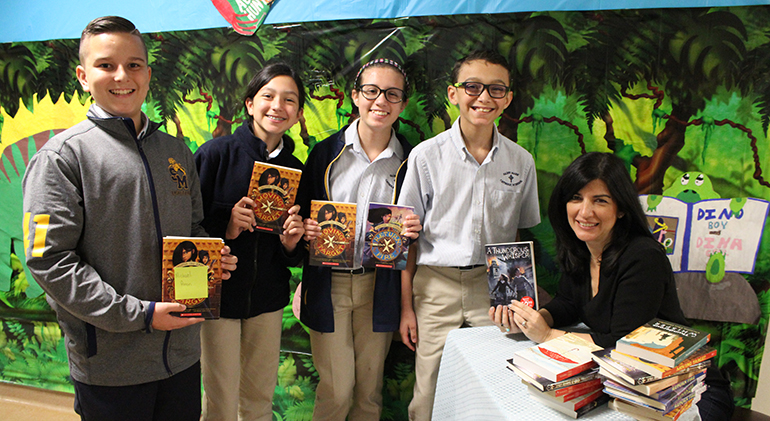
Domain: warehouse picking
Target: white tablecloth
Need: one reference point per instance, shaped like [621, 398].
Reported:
[474, 383]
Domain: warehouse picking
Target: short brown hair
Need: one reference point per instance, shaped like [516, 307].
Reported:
[109, 25]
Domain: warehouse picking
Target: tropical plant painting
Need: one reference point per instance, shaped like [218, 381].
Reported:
[666, 90]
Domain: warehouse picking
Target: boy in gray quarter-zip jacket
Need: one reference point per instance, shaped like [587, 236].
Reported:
[98, 198]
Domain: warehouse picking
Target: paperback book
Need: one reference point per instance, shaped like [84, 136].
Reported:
[273, 189]
[576, 407]
[335, 246]
[662, 371]
[636, 377]
[664, 403]
[192, 269]
[643, 412]
[545, 385]
[384, 246]
[559, 358]
[511, 273]
[662, 342]
[568, 393]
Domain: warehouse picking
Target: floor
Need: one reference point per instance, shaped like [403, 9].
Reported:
[23, 403]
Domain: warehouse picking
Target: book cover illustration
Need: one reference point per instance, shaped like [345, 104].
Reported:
[662, 342]
[511, 273]
[662, 371]
[559, 358]
[192, 270]
[384, 246]
[336, 244]
[695, 234]
[273, 188]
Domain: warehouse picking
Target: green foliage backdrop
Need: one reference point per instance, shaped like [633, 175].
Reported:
[667, 90]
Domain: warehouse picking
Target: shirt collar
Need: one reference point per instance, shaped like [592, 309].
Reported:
[277, 150]
[100, 112]
[456, 138]
[351, 139]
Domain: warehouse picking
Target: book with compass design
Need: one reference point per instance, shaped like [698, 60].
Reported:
[384, 246]
[273, 188]
[335, 245]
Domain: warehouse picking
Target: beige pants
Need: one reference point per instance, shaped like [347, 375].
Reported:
[239, 362]
[350, 361]
[444, 299]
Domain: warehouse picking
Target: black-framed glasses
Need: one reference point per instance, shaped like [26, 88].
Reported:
[372, 92]
[476, 88]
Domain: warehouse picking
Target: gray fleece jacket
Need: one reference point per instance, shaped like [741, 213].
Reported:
[97, 203]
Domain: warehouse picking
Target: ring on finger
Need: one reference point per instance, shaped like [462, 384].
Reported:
[524, 323]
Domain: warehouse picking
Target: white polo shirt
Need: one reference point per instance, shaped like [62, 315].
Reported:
[355, 179]
[464, 205]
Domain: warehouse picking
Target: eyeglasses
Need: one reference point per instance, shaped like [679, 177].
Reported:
[476, 88]
[372, 92]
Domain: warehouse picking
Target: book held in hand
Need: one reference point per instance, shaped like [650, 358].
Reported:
[559, 358]
[662, 342]
[192, 275]
[335, 245]
[273, 188]
[511, 273]
[384, 246]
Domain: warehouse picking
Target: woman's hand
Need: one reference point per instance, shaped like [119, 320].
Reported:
[241, 218]
[531, 322]
[502, 317]
[312, 230]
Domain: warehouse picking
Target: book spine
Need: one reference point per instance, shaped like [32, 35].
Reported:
[687, 363]
[576, 370]
[580, 387]
[587, 400]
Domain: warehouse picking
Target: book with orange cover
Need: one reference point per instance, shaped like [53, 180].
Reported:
[273, 188]
[192, 275]
[662, 342]
[662, 371]
[335, 246]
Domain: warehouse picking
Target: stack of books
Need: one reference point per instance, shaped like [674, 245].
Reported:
[656, 372]
[561, 374]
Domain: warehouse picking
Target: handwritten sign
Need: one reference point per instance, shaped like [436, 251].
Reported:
[191, 282]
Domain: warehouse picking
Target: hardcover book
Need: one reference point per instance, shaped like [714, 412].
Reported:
[384, 246]
[662, 371]
[335, 245]
[662, 342]
[511, 273]
[559, 358]
[545, 385]
[273, 188]
[192, 269]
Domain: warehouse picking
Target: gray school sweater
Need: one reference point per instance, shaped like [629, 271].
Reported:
[97, 203]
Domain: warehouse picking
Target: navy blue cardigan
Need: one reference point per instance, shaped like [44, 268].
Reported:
[317, 311]
[261, 282]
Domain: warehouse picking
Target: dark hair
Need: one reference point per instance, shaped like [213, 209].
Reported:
[204, 254]
[109, 25]
[489, 56]
[268, 73]
[572, 253]
[181, 248]
[322, 213]
[376, 215]
[270, 172]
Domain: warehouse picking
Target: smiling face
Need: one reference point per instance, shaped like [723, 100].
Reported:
[378, 115]
[482, 110]
[114, 71]
[592, 214]
[274, 109]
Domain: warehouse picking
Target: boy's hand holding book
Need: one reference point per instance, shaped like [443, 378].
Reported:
[412, 226]
[241, 218]
[293, 229]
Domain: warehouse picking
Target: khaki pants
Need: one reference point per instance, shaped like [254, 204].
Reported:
[239, 359]
[444, 299]
[350, 361]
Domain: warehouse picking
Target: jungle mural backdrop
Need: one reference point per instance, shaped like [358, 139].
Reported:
[670, 91]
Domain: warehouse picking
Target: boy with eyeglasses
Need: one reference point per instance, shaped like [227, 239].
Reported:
[470, 186]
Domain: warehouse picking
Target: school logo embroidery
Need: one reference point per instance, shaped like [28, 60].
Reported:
[511, 178]
[178, 174]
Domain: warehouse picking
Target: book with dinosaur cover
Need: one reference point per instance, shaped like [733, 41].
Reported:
[335, 245]
[511, 273]
[384, 246]
[662, 342]
[273, 188]
[559, 358]
[192, 275]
